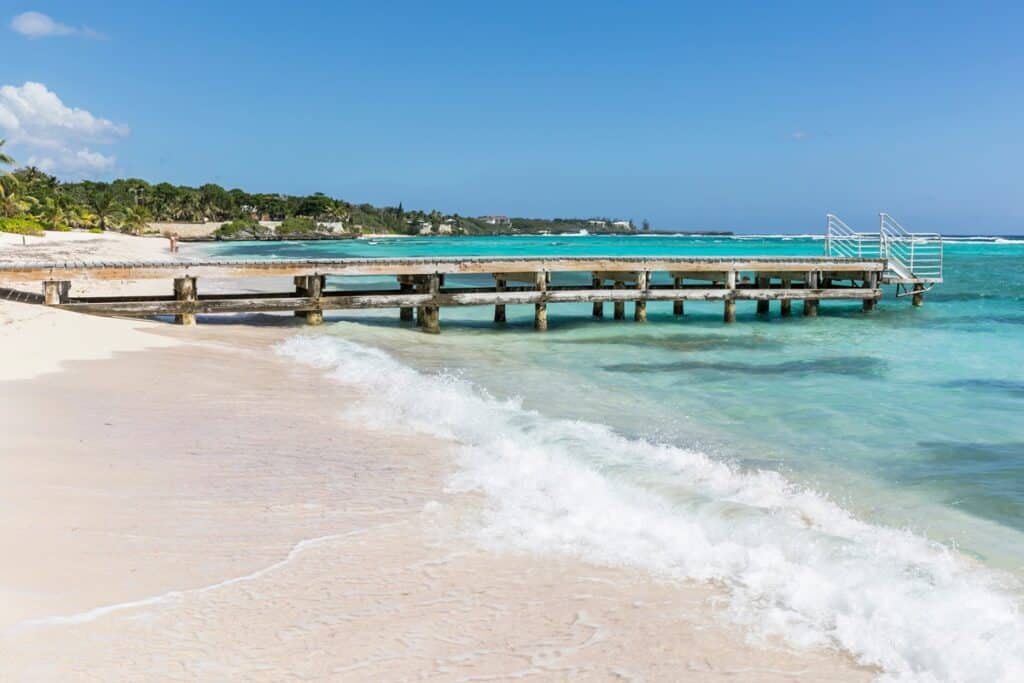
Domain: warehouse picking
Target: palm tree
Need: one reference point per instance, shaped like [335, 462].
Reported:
[53, 215]
[136, 218]
[11, 202]
[7, 181]
[4, 159]
[105, 209]
[81, 217]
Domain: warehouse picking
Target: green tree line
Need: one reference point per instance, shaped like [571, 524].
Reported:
[32, 200]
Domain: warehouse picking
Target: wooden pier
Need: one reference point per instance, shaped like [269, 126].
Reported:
[425, 285]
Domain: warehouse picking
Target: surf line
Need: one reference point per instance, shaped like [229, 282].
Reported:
[99, 612]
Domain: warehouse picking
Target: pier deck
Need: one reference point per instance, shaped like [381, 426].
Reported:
[427, 284]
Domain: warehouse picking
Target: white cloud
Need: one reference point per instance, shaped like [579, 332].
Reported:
[799, 135]
[56, 137]
[39, 25]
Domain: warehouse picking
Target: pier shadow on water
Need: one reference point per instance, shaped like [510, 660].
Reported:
[997, 386]
[682, 342]
[852, 366]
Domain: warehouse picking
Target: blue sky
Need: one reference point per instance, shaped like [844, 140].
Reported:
[734, 116]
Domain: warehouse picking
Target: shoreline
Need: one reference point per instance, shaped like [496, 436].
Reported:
[214, 483]
[156, 532]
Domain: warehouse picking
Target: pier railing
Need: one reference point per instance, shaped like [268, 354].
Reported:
[912, 258]
[841, 240]
[918, 253]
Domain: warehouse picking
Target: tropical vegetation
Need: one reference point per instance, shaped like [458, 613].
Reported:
[133, 204]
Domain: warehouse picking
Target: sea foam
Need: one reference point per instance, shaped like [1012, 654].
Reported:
[795, 564]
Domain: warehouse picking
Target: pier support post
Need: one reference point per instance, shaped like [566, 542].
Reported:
[185, 291]
[762, 304]
[619, 306]
[540, 317]
[677, 306]
[640, 306]
[499, 309]
[540, 310]
[730, 311]
[918, 298]
[811, 305]
[311, 286]
[598, 305]
[421, 286]
[730, 302]
[405, 312]
[786, 305]
[431, 317]
[870, 282]
[56, 292]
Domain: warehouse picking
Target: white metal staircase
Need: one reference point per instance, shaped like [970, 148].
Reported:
[912, 258]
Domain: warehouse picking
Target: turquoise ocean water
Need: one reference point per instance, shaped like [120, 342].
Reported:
[821, 469]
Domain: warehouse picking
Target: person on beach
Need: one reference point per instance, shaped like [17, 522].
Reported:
[173, 237]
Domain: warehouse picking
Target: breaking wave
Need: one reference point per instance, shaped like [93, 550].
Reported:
[795, 564]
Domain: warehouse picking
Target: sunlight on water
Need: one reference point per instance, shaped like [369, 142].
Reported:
[907, 418]
[848, 401]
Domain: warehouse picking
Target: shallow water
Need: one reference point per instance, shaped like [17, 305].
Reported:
[818, 467]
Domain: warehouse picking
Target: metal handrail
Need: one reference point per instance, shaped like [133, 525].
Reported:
[919, 253]
[841, 240]
[913, 256]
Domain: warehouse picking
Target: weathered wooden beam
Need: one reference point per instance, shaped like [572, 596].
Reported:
[228, 303]
[540, 313]
[640, 306]
[702, 275]
[695, 267]
[499, 309]
[55, 292]
[598, 311]
[405, 313]
[918, 297]
[423, 291]
[729, 314]
[529, 278]
[730, 311]
[811, 303]
[870, 282]
[617, 275]
[315, 286]
[432, 312]
[618, 305]
[677, 305]
[311, 287]
[762, 304]
[185, 294]
[786, 305]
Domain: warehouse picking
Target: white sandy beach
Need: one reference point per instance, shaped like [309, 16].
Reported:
[184, 504]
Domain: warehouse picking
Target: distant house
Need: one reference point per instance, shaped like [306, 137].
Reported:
[444, 229]
[496, 220]
[597, 222]
[625, 225]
